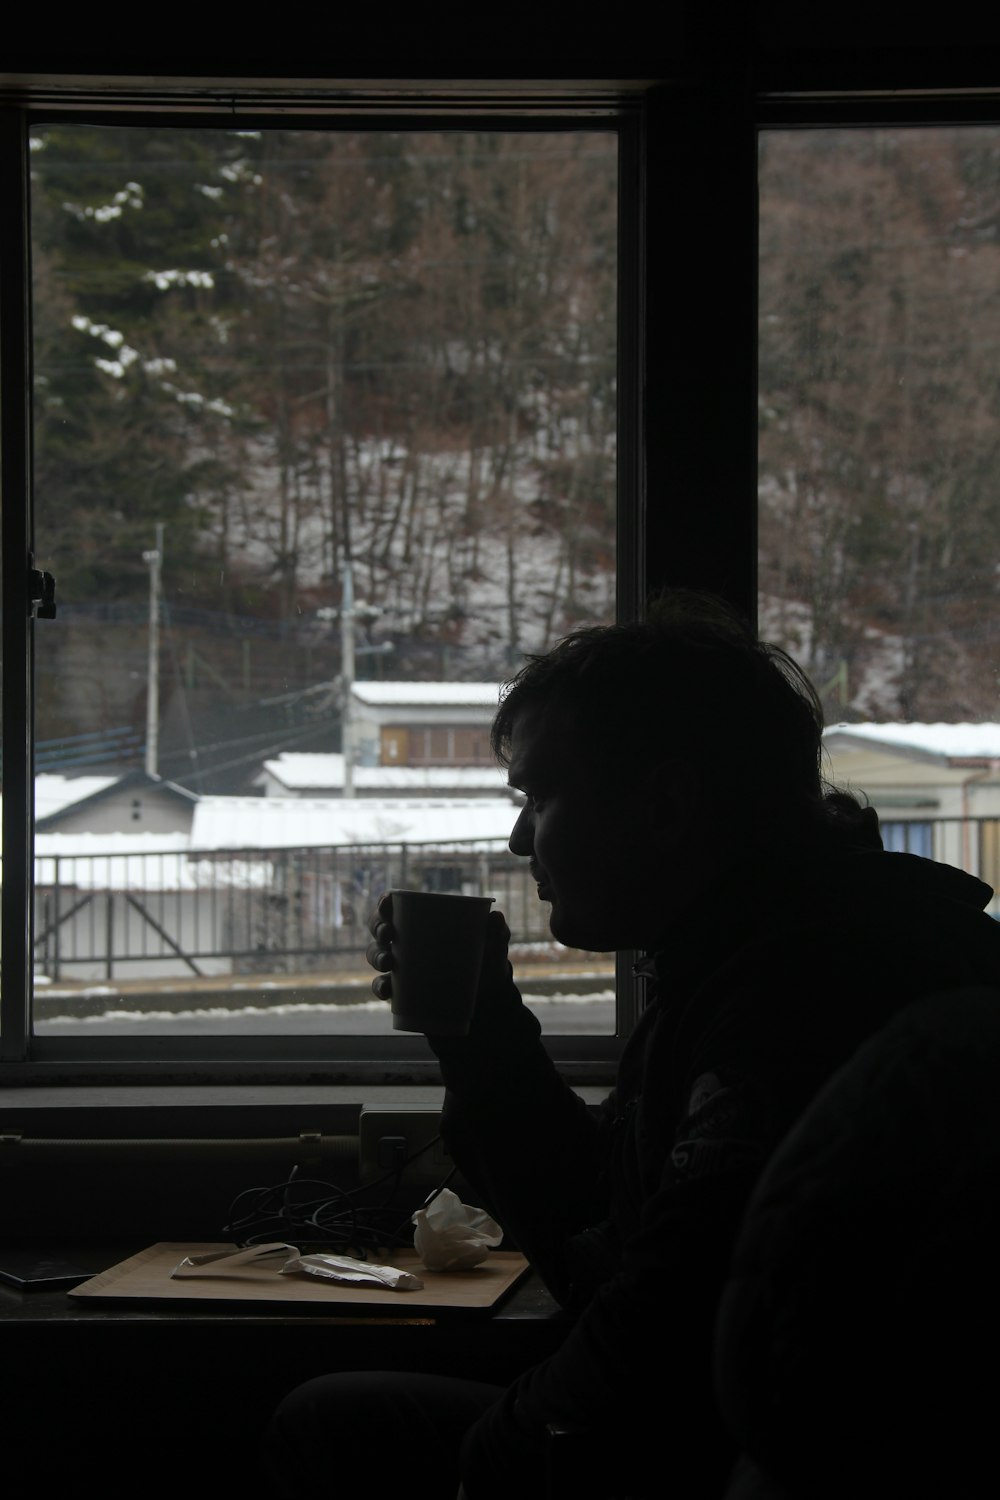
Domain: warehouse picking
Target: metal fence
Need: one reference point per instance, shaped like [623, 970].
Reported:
[971, 844]
[238, 911]
[213, 912]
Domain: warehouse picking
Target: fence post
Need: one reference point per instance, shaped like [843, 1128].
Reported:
[109, 933]
[285, 908]
[57, 924]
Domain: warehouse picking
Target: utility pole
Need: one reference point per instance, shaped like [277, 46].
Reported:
[155, 561]
[347, 675]
[348, 614]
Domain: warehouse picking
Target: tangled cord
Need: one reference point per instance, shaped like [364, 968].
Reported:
[306, 1211]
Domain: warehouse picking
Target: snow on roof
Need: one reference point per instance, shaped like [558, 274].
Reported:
[54, 793]
[302, 769]
[949, 741]
[434, 778]
[426, 694]
[308, 822]
[299, 771]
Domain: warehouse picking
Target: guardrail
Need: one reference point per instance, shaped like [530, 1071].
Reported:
[244, 911]
[970, 844]
[236, 911]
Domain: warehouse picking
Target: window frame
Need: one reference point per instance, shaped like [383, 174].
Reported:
[687, 459]
[330, 1060]
[783, 109]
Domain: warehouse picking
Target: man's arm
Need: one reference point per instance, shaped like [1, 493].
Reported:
[520, 1136]
[634, 1373]
[526, 1143]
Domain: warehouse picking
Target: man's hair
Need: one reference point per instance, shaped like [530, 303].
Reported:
[689, 682]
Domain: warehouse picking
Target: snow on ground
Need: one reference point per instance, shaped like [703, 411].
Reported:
[878, 656]
[289, 1008]
[455, 567]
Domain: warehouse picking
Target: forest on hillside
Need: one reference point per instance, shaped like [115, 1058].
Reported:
[879, 402]
[301, 349]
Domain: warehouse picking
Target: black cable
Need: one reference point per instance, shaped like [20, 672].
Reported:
[333, 1218]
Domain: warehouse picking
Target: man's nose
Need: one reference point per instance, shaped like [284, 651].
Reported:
[522, 835]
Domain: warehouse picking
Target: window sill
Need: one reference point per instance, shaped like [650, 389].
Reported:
[216, 1095]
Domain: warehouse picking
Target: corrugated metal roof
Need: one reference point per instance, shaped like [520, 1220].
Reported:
[428, 694]
[299, 770]
[311, 822]
[950, 741]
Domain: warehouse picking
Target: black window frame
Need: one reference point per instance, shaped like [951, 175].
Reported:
[397, 1059]
[687, 371]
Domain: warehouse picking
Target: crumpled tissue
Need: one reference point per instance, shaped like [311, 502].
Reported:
[450, 1236]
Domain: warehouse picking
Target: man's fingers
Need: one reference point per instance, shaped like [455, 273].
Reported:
[379, 950]
[497, 936]
[378, 955]
[381, 918]
[497, 930]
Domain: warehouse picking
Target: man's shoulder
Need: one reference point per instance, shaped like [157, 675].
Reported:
[839, 952]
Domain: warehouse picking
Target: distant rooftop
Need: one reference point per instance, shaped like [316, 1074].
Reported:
[450, 694]
[53, 792]
[948, 741]
[301, 771]
[314, 822]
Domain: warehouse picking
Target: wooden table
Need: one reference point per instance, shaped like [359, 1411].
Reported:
[180, 1393]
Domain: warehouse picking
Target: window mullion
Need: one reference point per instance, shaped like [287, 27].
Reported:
[15, 477]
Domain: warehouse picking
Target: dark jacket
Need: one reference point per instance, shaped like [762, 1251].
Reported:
[630, 1217]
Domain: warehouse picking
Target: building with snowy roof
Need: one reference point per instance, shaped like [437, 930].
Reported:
[303, 774]
[423, 723]
[264, 881]
[935, 787]
[131, 803]
[953, 769]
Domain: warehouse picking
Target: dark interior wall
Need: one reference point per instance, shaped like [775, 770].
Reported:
[782, 43]
[178, 1387]
[117, 1174]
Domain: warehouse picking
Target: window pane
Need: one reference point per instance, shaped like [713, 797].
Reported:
[287, 380]
[879, 448]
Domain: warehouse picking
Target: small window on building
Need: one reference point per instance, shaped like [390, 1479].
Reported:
[909, 837]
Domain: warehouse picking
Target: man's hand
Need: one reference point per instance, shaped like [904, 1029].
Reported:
[496, 993]
[379, 950]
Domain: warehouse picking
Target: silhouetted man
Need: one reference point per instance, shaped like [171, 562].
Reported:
[674, 804]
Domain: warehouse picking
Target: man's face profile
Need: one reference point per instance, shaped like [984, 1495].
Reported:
[585, 830]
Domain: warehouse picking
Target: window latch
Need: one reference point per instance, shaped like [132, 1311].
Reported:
[41, 592]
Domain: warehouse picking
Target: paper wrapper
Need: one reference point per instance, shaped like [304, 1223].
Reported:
[360, 1272]
[342, 1268]
[450, 1236]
